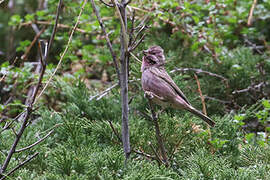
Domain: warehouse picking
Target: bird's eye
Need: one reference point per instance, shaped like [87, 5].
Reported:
[151, 61]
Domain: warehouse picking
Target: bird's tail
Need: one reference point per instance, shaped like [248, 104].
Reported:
[202, 116]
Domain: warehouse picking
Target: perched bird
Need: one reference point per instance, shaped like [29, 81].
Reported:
[159, 86]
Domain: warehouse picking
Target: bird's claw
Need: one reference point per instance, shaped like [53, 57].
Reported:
[148, 95]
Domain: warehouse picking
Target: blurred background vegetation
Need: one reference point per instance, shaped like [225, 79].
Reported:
[224, 42]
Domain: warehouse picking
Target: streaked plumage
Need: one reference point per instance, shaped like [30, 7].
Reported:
[160, 87]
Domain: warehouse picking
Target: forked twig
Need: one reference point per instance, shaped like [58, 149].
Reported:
[19, 166]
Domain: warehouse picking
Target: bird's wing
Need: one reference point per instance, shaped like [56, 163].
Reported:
[161, 73]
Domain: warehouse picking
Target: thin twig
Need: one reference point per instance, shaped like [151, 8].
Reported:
[36, 143]
[201, 95]
[256, 87]
[64, 53]
[126, 3]
[19, 166]
[218, 100]
[144, 154]
[158, 135]
[24, 56]
[54, 28]
[254, 46]
[109, 44]
[48, 23]
[198, 71]
[137, 59]
[136, 44]
[156, 154]
[103, 93]
[132, 28]
[251, 12]
[115, 132]
[8, 125]
[107, 4]
[145, 115]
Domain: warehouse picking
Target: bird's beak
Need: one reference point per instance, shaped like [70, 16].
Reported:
[145, 52]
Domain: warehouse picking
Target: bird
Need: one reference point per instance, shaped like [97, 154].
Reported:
[159, 87]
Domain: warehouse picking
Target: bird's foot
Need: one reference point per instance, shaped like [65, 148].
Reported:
[148, 95]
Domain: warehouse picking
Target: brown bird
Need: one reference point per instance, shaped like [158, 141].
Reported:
[159, 86]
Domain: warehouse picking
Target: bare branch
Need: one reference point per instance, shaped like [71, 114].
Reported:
[198, 71]
[54, 28]
[115, 132]
[109, 44]
[218, 100]
[200, 92]
[256, 87]
[47, 23]
[136, 44]
[25, 116]
[254, 46]
[103, 93]
[36, 143]
[107, 4]
[19, 166]
[40, 54]
[132, 28]
[144, 154]
[251, 12]
[128, 2]
[158, 135]
[24, 56]
[122, 17]
[156, 154]
[137, 59]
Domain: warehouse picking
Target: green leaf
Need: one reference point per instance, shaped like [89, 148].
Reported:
[15, 20]
[266, 103]
[29, 17]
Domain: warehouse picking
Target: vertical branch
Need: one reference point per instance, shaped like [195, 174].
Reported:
[204, 109]
[158, 135]
[124, 58]
[200, 92]
[125, 42]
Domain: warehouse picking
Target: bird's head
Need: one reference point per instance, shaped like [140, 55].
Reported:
[149, 61]
[156, 51]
